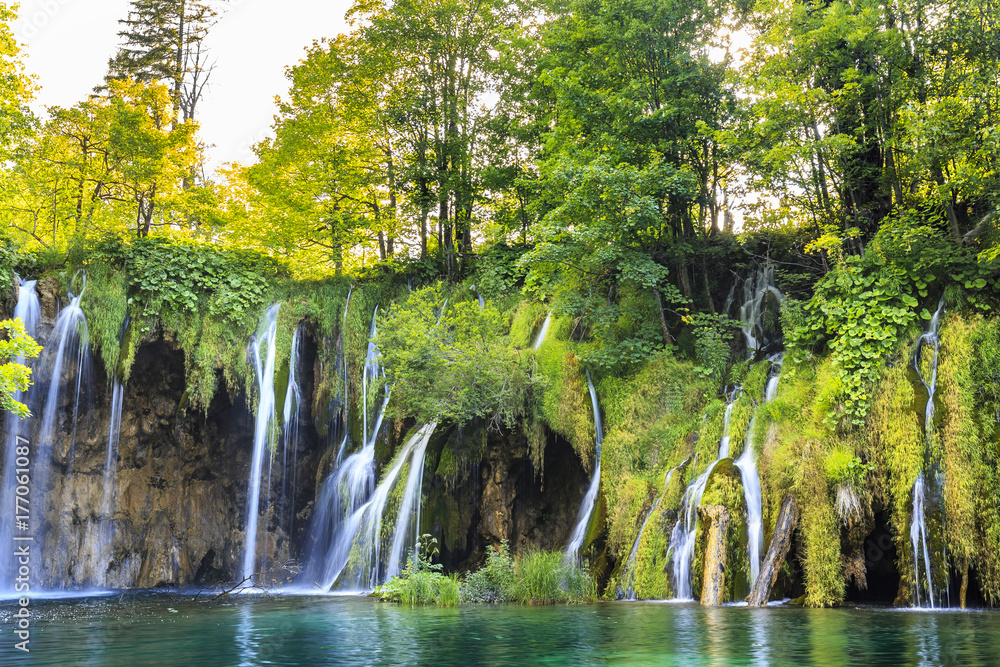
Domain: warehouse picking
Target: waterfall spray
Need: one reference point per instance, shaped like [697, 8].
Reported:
[587, 507]
[684, 534]
[263, 344]
[918, 524]
[28, 310]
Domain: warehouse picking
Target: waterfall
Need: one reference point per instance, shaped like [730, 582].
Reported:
[354, 558]
[540, 337]
[752, 310]
[290, 435]
[587, 507]
[349, 486]
[28, 310]
[918, 525]
[371, 371]
[628, 571]
[105, 528]
[263, 344]
[685, 532]
[66, 360]
[747, 464]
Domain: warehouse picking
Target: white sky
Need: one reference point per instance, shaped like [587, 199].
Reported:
[68, 43]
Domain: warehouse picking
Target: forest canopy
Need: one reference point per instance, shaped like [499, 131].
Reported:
[619, 160]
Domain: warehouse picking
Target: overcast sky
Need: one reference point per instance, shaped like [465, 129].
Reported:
[68, 44]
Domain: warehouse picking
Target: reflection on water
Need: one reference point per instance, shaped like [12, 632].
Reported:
[259, 630]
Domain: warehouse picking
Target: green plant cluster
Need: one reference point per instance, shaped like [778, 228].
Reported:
[15, 344]
[495, 581]
[422, 581]
[452, 360]
[535, 578]
[183, 276]
[864, 305]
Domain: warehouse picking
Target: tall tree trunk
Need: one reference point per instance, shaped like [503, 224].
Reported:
[667, 338]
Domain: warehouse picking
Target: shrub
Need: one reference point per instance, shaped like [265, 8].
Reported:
[422, 581]
[496, 581]
[545, 578]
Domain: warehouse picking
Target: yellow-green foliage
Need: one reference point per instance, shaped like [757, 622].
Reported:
[105, 304]
[527, 320]
[743, 410]
[631, 501]
[824, 574]
[725, 487]
[650, 422]
[969, 365]
[652, 573]
[566, 405]
[796, 442]
[895, 447]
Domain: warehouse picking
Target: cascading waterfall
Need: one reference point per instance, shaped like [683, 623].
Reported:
[918, 525]
[105, 527]
[354, 559]
[587, 507]
[28, 310]
[751, 315]
[268, 435]
[747, 464]
[628, 572]
[66, 360]
[290, 436]
[685, 532]
[348, 488]
[540, 337]
[263, 344]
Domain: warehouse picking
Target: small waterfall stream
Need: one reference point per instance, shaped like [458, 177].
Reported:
[262, 345]
[756, 288]
[747, 465]
[28, 310]
[540, 336]
[684, 534]
[349, 486]
[587, 507]
[354, 560]
[345, 399]
[918, 524]
[65, 362]
[628, 571]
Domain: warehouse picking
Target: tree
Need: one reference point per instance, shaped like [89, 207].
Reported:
[633, 164]
[16, 88]
[14, 375]
[162, 42]
[381, 128]
[107, 164]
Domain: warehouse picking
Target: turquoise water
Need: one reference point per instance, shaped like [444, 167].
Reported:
[160, 630]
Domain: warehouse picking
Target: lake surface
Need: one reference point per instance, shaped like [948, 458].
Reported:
[155, 629]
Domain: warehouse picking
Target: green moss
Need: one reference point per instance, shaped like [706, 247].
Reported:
[565, 404]
[105, 304]
[652, 572]
[526, 322]
[967, 388]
